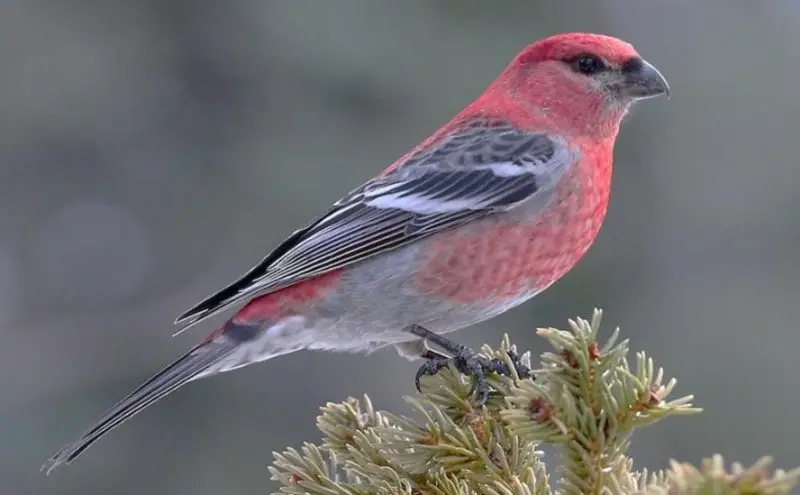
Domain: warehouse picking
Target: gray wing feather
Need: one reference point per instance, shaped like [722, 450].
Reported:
[476, 171]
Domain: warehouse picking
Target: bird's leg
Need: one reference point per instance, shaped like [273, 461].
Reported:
[417, 348]
[431, 354]
[465, 360]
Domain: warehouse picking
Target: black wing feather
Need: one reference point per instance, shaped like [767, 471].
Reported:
[230, 291]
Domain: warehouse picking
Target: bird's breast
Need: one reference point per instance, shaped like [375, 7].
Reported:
[512, 256]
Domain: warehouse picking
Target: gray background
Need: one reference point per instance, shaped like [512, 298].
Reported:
[152, 151]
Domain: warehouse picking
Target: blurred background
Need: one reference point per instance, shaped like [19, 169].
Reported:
[152, 151]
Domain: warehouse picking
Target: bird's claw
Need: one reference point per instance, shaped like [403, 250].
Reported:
[523, 371]
[473, 365]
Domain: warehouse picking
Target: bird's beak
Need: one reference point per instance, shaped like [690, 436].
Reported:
[641, 80]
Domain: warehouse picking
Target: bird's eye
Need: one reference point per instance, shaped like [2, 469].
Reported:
[588, 64]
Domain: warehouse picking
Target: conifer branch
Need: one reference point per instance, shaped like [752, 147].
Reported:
[587, 399]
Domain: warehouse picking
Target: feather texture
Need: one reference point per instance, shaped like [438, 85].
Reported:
[483, 168]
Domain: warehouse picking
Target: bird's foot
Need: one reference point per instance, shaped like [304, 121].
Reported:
[467, 362]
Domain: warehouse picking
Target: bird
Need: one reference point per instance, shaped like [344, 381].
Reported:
[484, 214]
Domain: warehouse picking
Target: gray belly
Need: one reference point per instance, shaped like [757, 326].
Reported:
[376, 301]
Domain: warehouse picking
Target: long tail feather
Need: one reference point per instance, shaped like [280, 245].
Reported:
[186, 368]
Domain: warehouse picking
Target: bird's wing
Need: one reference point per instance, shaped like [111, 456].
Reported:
[474, 171]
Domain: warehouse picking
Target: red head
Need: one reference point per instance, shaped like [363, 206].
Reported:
[580, 81]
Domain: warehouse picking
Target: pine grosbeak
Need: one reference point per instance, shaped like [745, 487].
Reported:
[484, 214]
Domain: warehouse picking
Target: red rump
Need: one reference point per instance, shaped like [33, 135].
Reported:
[288, 300]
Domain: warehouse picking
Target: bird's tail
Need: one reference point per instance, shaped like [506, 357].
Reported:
[229, 348]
